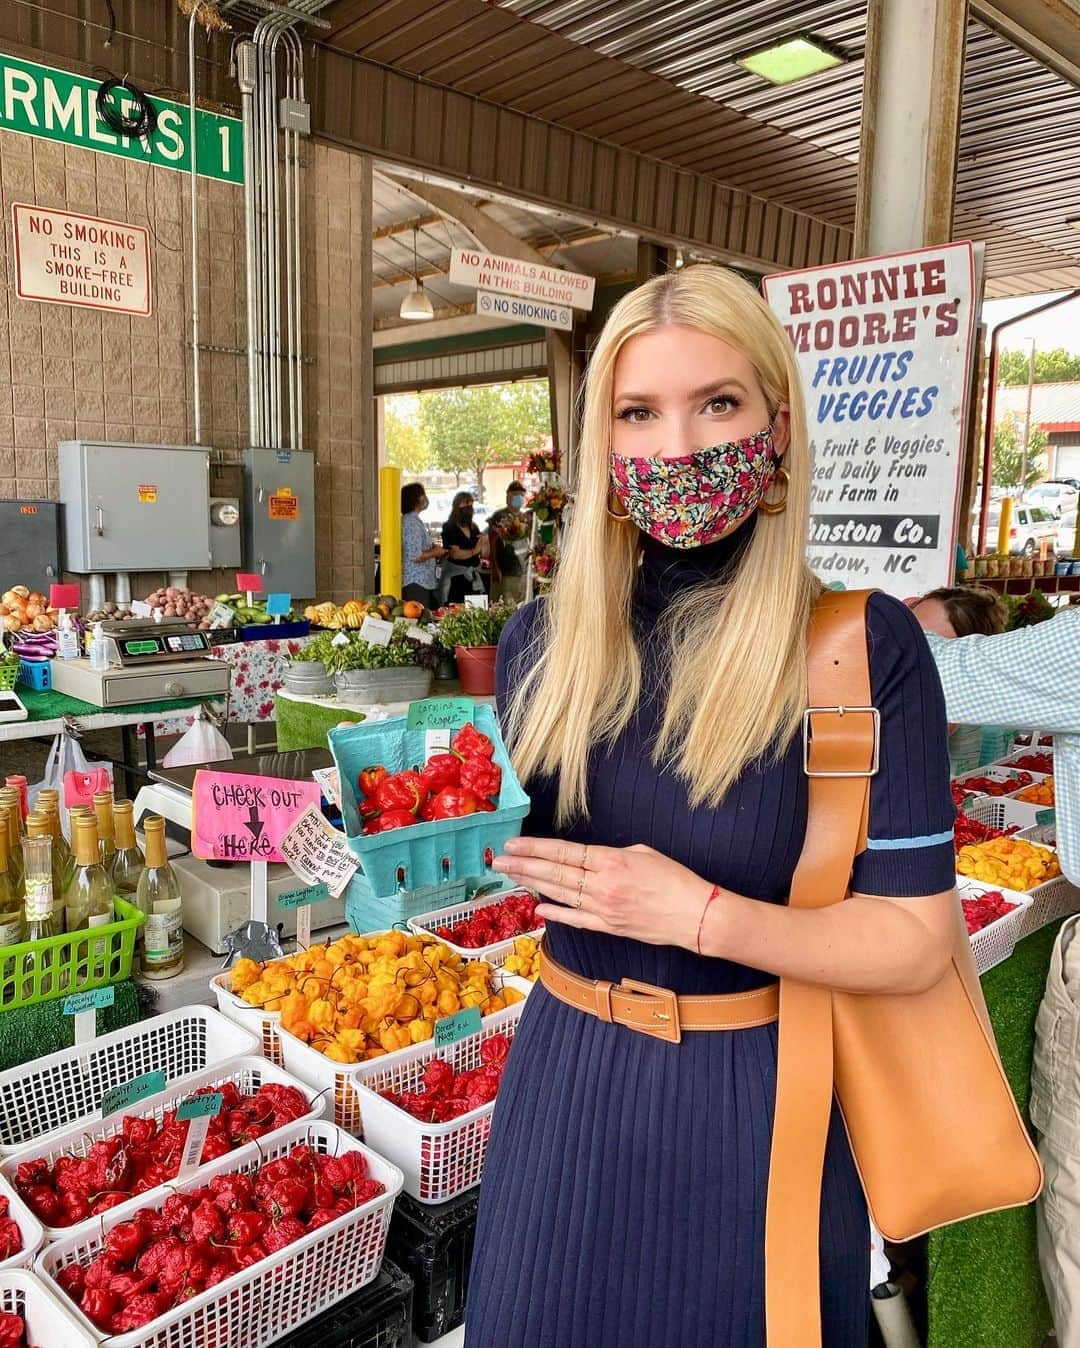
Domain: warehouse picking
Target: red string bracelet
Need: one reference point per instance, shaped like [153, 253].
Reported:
[716, 892]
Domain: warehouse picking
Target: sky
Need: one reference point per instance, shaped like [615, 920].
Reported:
[1058, 328]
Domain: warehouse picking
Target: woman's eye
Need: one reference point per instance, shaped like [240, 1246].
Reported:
[636, 416]
[721, 405]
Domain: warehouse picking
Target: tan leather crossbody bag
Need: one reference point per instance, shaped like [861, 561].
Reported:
[914, 1074]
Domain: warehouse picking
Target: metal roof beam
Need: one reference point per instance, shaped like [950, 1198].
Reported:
[490, 235]
[1047, 29]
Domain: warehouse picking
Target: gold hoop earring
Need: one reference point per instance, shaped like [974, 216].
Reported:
[777, 507]
[622, 514]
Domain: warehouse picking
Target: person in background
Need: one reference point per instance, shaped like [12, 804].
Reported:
[464, 549]
[1031, 677]
[961, 611]
[417, 554]
[505, 528]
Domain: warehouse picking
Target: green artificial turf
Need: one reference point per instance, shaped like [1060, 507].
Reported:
[303, 725]
[985, 1290]
[31, 1031]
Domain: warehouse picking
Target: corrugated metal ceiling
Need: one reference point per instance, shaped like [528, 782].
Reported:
[657, 77]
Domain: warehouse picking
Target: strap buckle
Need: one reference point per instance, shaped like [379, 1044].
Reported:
[875, 762]
[661, 1021]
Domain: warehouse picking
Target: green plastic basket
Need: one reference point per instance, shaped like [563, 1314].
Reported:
[9, 672]
[38, 971]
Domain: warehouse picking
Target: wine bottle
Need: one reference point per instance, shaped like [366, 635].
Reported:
[63, 857]
[12, 929]
[103, 809]
[9, 804]
[40, 826]
[88, 896]
[159, 898]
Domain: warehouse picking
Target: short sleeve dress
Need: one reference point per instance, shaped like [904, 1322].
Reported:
[623, 1200]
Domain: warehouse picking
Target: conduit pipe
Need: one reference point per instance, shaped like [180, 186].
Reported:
[192, 139]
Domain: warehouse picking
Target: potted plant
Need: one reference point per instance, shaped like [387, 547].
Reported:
[364, 672]
[306, 671]
[473, 635]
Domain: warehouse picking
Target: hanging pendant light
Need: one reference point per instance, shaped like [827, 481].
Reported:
[416, 305]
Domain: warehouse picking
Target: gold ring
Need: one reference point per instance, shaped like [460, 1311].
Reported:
[580, 891]
[585, 858]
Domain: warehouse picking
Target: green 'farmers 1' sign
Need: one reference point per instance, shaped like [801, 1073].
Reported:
[39, 101]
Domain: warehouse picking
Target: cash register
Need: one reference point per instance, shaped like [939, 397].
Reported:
[150, 661]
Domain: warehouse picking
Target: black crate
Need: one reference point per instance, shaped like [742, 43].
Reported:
[378, 1316]
[434, 1245]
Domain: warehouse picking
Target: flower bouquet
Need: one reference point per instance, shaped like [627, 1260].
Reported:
[544, 461]
[548, 503]
[544, 559]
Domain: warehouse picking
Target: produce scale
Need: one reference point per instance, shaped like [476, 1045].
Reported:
[158, 660]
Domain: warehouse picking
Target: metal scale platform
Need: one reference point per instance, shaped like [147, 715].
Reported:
[157, 661]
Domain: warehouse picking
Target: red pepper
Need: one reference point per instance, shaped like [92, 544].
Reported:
[245, 1228]
[11, 1241]
[99, 1303]
[454, 802]
[483, 776]
[469, 741]
[370, 778]
[125, 1242]
[13, 1327]
[441, 770]
[390, 819]
[140, 1311]
[402, 791]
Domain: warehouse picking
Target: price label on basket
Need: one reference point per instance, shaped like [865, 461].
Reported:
[458, 1026]
[84, 1006]
[376, 631]
[1045, 817]
[301, 900]
[131, 1092]
[440, 713]
[197, 1111]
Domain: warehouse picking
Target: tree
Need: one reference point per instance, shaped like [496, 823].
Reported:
[469, 429]
[407, 446]
[1009, 452]
[1051, 367]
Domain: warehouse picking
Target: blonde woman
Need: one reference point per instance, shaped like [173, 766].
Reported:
[625, 1186]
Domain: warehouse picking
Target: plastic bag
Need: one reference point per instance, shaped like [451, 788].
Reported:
[202, 743]
[66, 756]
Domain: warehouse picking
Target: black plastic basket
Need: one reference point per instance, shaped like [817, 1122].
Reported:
[378, 1316]
[434, 1245]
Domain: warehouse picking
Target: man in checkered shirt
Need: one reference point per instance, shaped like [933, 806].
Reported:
[1030, 677]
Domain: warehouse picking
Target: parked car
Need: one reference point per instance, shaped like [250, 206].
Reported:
[1056, 495]
[1030, 524]
[1066, 533]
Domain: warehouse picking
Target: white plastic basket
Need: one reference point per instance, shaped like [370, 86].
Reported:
[995, 942]
[439, 1160]
[247, 1074]
[997, 773]
[31, 1230]
[261, 1304]
[48, 1322]
[424, 924]
[1009, 761]
[255, 1020]
[338, 1081]
[53, 1092]
[1002, 811]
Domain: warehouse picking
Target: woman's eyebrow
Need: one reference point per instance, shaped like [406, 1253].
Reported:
[695, 394]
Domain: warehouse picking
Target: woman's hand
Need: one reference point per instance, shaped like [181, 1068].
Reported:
[634, 892]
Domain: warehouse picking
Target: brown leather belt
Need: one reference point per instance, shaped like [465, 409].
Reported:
[658, 1012]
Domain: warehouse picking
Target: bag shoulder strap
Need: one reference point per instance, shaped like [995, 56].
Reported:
[840, 741]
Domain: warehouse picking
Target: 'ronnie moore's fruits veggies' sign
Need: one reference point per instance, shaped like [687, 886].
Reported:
[884, 347]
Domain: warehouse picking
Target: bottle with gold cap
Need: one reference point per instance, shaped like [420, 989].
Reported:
[12, 930]
[88, 896]
[159, 898]
[129, 864]
[41, 904]
[12, 810]
[103, 809]
[63, 859]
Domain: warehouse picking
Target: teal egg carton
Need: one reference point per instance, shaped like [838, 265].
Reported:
[414, 870]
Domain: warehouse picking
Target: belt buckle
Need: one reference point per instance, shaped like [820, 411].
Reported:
[875, 718]
[666, 1015]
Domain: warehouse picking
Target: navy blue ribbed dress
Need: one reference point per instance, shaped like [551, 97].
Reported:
[623, 1202]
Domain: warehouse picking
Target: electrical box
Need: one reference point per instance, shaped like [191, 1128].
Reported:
[226, 496]
[29, 544]
[279, 520]
[135, 507]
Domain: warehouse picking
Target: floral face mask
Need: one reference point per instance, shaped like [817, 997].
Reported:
[694, 500]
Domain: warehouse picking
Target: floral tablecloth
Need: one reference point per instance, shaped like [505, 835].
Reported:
[258, 673]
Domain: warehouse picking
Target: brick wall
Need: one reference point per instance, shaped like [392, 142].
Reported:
[69, 373]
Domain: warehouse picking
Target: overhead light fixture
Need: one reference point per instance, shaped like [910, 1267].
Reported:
[794, 58]
[416, 306]
[680, 260]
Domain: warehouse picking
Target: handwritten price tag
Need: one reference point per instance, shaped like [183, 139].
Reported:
[1046, 817]
[376, 631]
[93, 1000]
[458, 1026]
[199, 1110]
[299, 898]
[131, 1092]
[316, 851]
[440, 713]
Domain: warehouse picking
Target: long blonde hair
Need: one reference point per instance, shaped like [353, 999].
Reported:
[738, 676]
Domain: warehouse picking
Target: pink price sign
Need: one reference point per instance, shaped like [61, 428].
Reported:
[239, 817]
[65, 596]
[249, 581]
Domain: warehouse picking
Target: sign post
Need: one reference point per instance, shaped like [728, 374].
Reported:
[884, 346]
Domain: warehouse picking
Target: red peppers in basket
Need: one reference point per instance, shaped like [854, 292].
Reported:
[450, 786]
